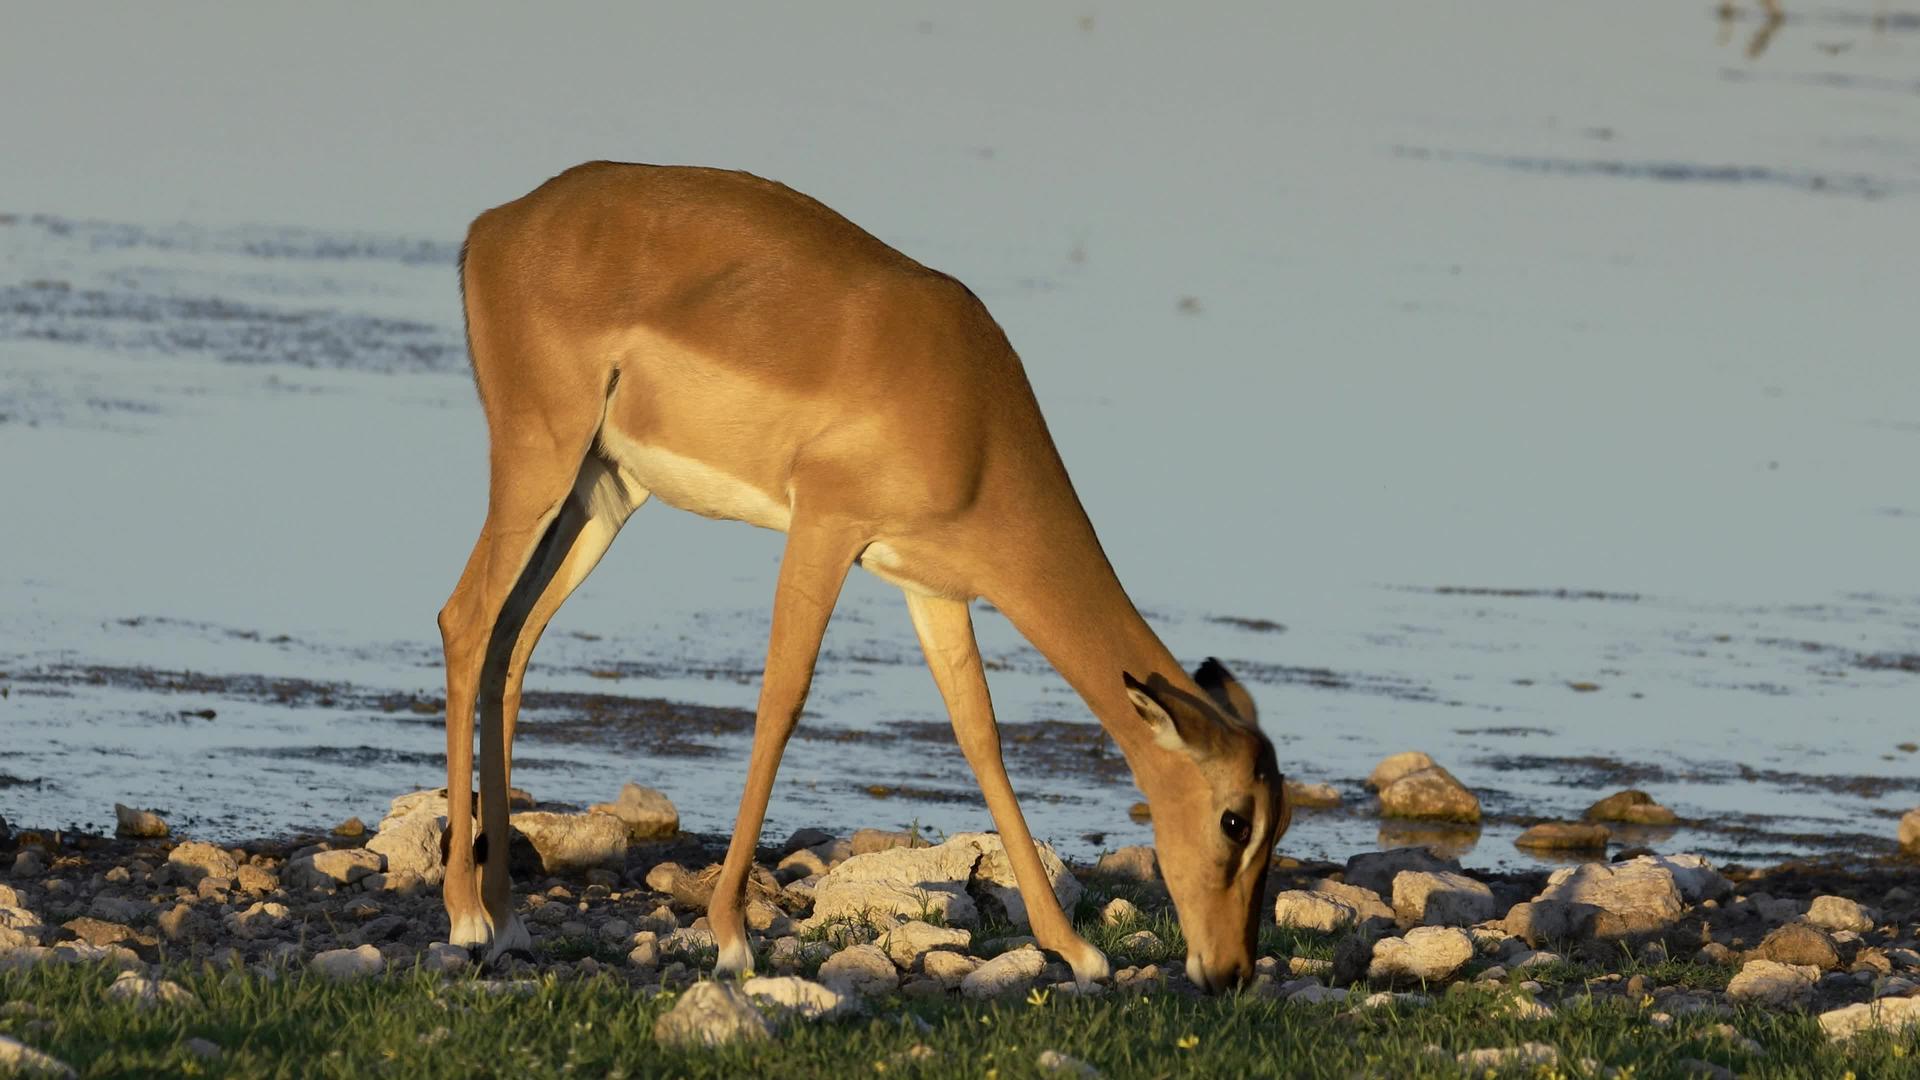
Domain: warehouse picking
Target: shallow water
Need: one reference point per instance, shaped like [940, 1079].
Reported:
[1419, 368]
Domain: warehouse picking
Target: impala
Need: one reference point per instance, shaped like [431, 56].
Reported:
[743, 352]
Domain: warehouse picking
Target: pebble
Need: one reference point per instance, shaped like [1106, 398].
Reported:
[1119, 912]
[1053, 1061]
[1839, 913]
[860, 969]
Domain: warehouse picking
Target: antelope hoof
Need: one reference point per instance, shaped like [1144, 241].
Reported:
[509, 942]
[736, 961]
[470, 932]
[1090, 966]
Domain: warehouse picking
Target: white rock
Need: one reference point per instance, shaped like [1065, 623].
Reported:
[649, 814]
[19, 1059]
[1444, 898]
[1053, 1061]
[260, 919]
[1839, 913]
[907, 943]
[948, 968]
[1910, 830]
[931, 880]
[410, 843]
[860, 969]
[349, 963]
[1009, 973]
[443, 957]
[1637, 896]
[1693, 875]
[1426, 953]
[333, 868]
[711, 1014]
[1497, 1058]
[802, 997]
[1317, 994]
[1119, 912]
[1304, 910]
[138, 824]
[574, 841]
[137, 989]
[1773, 984]
[1886, 1014]
[196, 859]
[1430, 794]
[1395, 766]
[1375, 870]
[1385, 998]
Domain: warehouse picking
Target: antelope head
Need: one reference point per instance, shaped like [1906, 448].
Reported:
[1218, 808]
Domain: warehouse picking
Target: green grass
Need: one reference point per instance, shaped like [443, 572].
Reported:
[414, 1024]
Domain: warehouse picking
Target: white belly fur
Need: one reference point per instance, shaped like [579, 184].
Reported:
[694, 486]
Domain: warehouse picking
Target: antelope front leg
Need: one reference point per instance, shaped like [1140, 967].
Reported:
[812, 570]
[946, 635]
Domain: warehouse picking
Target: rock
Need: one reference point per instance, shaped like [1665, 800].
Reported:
[1910, 830]
[711, 1014]
[939, 880]
[195, 859]
[948, 968]
[1495, 1059]
[868, 841]
[181, 923]
[19, 1059]
[1316, 994]
[118, 909]
[1630, 807]
[410, 844]
[142, 992]
[1564, 836]
[1443, 898]
[907, 943]
[1053, 1061]
[1304, 910]
[1395, 766]
[649, 814]
[1119, 912]
[1839, 913]
[1775, 985]
[1009, 973]
[11, 897]
[1311, 796]
[1135, 862]
[351, 829]
[1425, 954]
[1139, 943]
[567, 842]
[804, 998]
[342, 964]
[446, 958]
[646, 950]
[1633, 897]
[860, 969]
[1375, 870]
[1887, 1014]
[259, 920]
[330, 869]
[1696, 878]
[1798, 944]
[255, 880]
[1541, 921]
[1430, 794]
[137, 824]
[806, 838]
[100, 932]
[204, 1049]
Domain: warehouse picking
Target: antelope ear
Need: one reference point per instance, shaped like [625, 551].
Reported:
[1227, 692]
[1159, 720]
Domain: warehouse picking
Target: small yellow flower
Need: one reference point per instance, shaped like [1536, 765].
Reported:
[1188, 1042]
[1037, 997]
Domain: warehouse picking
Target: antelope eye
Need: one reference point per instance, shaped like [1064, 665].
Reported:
[1238, 829]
